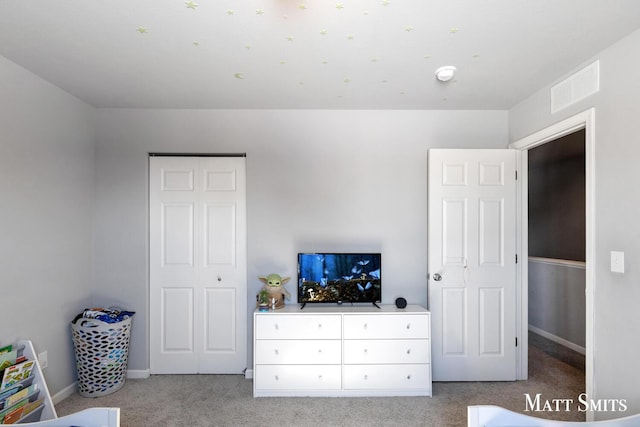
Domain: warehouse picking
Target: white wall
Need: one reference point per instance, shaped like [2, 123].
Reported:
[366, 171]
[617, 205]
[46, 212]
[317, 180]
[557, 300]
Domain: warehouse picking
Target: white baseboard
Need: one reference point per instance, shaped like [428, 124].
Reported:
[248, 374]
[558, 340]
[73, 388]
[64, 393]
[138, 374]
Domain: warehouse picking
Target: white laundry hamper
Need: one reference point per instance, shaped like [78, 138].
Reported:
[102, 352]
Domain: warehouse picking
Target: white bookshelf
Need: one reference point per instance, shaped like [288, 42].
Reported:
[47, 416]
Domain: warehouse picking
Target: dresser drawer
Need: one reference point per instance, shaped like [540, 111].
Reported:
[386, 351]
[386, 326]
[300, 352]
[389, 377]
[278, 326]
[297, 377]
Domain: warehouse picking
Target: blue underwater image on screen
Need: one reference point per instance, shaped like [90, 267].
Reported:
[343, 277]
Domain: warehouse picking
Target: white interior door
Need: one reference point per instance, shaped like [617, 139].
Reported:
[472, 264]
[197, 265]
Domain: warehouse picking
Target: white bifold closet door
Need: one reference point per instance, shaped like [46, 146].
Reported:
[472, 264]
[197, 265]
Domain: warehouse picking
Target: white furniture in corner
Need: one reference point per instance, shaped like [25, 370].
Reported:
[46, 416]
[495, 416]
[342, 351]
[47, 411]
[91, 417]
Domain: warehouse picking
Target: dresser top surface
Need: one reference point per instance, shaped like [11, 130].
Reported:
[345, 309]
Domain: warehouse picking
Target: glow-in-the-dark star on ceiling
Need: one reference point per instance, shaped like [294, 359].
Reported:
[408, 28]
[231, 12]
[339, 6]
[142, 29]
[385, 2]
[238, 76]
[259, 11]
[190, 4]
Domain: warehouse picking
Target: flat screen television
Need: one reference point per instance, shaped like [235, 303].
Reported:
[339, 277]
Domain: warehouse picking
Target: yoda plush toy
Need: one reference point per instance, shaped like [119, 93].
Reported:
[273, 291]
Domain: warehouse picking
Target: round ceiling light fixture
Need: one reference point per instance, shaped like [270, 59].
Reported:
[444, 74]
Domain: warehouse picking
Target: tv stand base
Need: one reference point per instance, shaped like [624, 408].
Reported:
[302, 305]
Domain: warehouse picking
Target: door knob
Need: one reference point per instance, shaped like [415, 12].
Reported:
[437, 277]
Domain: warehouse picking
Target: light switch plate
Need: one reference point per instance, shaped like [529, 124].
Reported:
[43, 359]
[617, 262]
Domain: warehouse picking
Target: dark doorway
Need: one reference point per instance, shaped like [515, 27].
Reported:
[557, 241]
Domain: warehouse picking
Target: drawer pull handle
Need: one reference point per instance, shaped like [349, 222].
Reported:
[409, 351]
[409, 376]
[408, 325]
[319, 325]
[320, 377]
[277, 379]
[366, 377]
[276, 326]
[277, 352]
[366, 351]
[365, 326]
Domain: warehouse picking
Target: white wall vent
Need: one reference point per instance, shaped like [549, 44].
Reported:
[576, 87]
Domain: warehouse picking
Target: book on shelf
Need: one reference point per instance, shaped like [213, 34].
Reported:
[16, 373]
[4, 394]
[22, 411]
[8, 358]
[15, 398]
[21, 404]
[32, 406]
[14, 412]
[13, 416]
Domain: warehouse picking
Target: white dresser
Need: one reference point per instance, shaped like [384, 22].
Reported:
[342, 351]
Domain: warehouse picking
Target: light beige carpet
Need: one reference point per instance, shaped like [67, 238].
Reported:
[226, 400]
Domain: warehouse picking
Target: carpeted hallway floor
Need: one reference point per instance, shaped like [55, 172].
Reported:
[226, 400]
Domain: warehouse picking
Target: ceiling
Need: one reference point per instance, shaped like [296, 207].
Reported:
[307, 54]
